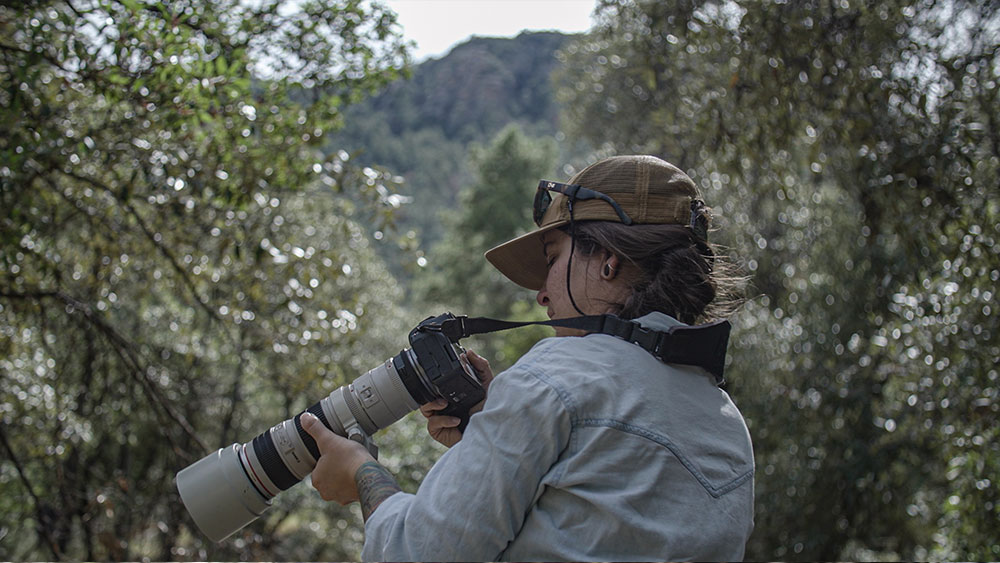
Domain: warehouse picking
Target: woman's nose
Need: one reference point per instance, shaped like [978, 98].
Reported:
[542, 297]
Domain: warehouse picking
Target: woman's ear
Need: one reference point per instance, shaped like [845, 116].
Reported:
[610, 269]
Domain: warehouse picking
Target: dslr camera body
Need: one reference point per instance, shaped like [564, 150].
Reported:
[229, 488]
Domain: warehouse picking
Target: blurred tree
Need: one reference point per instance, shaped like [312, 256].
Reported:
[494, 209]
[181, 266]
[851, 149]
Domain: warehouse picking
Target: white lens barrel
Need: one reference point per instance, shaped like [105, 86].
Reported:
[383, 396]
[219, 495]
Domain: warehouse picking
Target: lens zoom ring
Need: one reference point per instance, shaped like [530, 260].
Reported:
[401, 391]
[359, 414]
[271, 461]
[306, 438]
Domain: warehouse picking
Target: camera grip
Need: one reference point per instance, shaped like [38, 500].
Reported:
[459, 411]
[463, 421]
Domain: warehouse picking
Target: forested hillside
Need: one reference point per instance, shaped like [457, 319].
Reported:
[421, 127]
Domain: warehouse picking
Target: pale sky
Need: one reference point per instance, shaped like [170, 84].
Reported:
[437, 25]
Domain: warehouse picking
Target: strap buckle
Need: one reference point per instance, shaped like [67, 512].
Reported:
[648, 339]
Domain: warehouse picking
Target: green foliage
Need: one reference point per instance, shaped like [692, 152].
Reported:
[181, 266]
[494, 209]
[851, 151]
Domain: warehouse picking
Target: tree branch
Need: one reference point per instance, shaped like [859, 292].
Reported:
[43, 526]
[125, 350]
[192, 287]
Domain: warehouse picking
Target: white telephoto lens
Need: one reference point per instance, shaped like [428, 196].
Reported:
[218, 494]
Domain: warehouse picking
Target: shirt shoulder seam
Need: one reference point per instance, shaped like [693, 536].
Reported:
[716, 491]
[571, 408]
[565, 397]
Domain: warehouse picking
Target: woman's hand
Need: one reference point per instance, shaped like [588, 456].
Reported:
[339, 461]
[444, 429]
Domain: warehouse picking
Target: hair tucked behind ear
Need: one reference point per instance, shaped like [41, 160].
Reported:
[675, 273]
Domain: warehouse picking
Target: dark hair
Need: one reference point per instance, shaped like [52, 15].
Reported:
[675, 272]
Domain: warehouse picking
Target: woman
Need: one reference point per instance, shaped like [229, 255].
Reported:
[589, 447]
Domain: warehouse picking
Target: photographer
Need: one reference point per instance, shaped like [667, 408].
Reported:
[589, 447]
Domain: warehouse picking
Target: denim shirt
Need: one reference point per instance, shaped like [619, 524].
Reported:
[588, 448]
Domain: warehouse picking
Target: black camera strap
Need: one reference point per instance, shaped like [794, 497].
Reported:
[703, 346]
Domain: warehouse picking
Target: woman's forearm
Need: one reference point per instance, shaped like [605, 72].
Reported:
[375, 484]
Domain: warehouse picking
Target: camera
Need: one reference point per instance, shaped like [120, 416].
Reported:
[228, 489]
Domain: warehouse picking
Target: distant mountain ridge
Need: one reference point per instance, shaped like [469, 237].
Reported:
[478, 87]
[423, 127]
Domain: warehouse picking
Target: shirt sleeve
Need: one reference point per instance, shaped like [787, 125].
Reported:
[474, 500]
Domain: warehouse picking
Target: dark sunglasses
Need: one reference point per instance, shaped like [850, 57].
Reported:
[574, 192]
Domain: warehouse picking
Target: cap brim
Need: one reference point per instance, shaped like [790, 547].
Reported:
[522, 259]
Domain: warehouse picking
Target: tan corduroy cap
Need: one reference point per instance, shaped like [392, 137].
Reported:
[649, 190]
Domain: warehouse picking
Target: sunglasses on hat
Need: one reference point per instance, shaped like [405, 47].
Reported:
[574, 192]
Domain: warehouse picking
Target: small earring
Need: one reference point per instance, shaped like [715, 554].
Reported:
[608, 270]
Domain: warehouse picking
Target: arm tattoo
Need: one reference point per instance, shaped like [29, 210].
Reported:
[375, 484]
